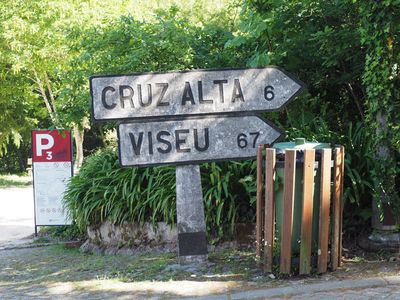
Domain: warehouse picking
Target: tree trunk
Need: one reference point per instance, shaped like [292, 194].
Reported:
[78, 137]
[381, 205]
[49, 105]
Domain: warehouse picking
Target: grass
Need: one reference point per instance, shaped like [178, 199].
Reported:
[56, 271]
[54, 268]
[12, 180]
[226, 265]
[61, 263]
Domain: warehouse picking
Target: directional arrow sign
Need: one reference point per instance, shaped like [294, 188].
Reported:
[191, 93]
[193, 140]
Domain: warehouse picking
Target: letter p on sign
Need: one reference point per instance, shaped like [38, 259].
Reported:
[44, 141]
[51, 145]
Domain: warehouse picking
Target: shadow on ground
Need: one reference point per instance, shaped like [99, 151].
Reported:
[57, 272]
[52, 271]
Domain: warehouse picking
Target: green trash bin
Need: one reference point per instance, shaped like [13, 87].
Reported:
[299, 144]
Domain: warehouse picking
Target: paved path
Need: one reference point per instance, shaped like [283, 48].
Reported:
[368, 288]
[16, 215]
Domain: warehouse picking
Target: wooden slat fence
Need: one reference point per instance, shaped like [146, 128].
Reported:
[327, 205]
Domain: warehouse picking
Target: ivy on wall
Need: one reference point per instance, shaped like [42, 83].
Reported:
[380, 33]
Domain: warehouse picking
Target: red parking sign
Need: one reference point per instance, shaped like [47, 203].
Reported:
[51, 145]
[52, 169]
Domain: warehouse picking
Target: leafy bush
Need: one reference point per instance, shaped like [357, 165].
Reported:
[102, 190]
[60, 233]
[226, 197]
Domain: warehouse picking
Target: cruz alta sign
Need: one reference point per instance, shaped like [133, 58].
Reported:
[184, 118]
[191, 93]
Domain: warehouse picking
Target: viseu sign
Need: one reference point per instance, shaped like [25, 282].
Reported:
[193, 140]
[198, 92]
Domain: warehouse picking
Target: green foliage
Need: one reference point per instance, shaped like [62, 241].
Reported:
[102, 190]
[317, 41]
[45, 57]
[229, 188]
[60, 233]
[359, 158]
[10, 181]
[170, 42]
[347, 52]
[226, 199]
[15, 160]
[381, 79]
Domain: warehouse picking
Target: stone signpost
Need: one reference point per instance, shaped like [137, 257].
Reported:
[188, 117]
[193, 140]
[191, 93]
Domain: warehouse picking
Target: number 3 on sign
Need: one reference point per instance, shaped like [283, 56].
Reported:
[49, 155]
[242, 139]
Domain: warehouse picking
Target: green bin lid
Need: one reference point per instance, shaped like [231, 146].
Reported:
[300, 144]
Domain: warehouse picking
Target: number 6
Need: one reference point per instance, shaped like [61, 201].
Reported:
[268, 93]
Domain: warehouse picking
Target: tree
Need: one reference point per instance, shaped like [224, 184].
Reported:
[381, 79]
[36, 49]
[42, 41]
[18, 105]
[347, 52]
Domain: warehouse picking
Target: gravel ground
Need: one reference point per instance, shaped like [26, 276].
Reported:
[55, 272]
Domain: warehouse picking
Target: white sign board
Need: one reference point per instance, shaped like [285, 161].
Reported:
[52, 168]
[50, 182]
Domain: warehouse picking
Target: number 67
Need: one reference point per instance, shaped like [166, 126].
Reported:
[242, 139]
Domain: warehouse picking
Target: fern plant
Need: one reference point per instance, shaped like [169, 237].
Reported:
[102, 190]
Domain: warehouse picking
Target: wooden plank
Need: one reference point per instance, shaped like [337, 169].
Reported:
[325, 203]
[341, 207]
[287, 219]
[259, 215]
[269, 221]
[307, 212]
[336, 209]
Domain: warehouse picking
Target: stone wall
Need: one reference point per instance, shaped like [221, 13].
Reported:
[130, 238]
[134, 238]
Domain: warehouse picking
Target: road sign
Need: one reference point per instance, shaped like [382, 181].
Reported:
[193, 140]
[51, 145]
[180, 130]
[52, 169]
[197, 92]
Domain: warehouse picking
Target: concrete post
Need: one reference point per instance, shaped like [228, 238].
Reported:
[192, 244]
